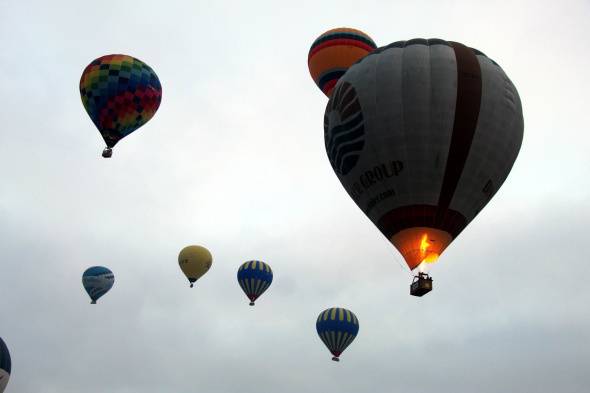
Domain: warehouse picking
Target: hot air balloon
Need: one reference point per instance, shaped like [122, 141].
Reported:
[337, 327]
[333, 52]
[120, 94]
[254, 277]
[5, 365]
[97, 281]
[422, 134]
[194, 261]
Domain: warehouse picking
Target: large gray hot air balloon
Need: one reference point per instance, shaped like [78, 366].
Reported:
[5, 365]
[421, 134]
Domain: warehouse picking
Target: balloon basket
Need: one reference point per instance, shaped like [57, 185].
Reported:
[251, 303]
[421, 285]
[335, 359]
[93, 302]
[107, 152]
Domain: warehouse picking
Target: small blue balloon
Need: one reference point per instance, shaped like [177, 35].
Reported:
[97, 281]
[337, 327]
[254, 278]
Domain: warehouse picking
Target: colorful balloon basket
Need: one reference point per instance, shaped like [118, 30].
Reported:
[421, 285]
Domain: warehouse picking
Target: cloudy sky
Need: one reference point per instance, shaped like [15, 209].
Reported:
[234, 160]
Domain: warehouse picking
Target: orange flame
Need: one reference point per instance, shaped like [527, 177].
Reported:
[426, 256]
[424, 244]
[421, 244]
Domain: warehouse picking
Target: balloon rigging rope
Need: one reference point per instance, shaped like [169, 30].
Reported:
[401, 263]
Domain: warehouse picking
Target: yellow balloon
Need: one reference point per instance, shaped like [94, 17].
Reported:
[194, 261]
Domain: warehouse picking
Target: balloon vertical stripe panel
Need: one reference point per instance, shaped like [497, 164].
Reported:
[496, 141]
[442, 127]
[5, 365]
[254, 278]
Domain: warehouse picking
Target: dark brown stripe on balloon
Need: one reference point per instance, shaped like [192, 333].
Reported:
[420, 216]
[466, 115]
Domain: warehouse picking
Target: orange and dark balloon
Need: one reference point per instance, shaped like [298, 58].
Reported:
[333, 52]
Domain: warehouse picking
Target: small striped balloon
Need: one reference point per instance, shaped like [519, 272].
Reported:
[337, 327]
[333, 52]
[254, 277]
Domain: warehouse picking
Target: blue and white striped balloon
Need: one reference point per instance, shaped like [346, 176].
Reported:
[254, 278]
[97, 281]
[337, 327]
[5, 365]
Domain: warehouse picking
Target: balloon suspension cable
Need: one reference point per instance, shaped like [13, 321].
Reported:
[402, 263]
[335, 359]
[251, 303]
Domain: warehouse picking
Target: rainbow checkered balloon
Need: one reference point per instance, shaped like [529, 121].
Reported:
[120, 94]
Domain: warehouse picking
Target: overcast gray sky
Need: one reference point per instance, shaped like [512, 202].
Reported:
[234, 160]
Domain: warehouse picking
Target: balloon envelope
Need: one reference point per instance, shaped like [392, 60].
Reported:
[97, 281]
[337, 327]
[422, 134]
[5, 365]
[254, 278]
[333, 52]
[120, 94]
[194, 261]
